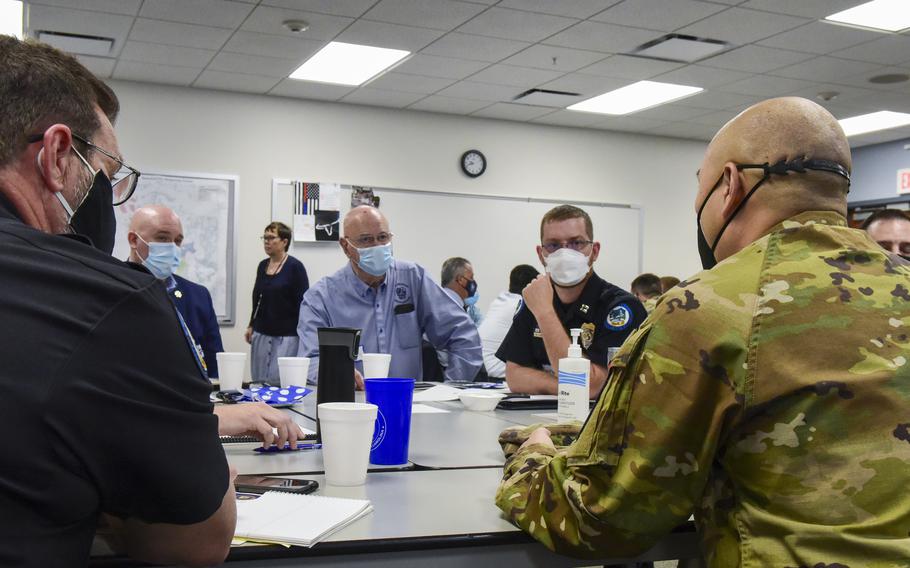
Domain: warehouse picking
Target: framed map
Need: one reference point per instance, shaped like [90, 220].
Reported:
[207, 205]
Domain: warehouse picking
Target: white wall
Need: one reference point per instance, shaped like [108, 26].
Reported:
[259, 137]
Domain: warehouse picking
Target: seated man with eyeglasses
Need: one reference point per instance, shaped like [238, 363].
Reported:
[393, 302]
[570, 295]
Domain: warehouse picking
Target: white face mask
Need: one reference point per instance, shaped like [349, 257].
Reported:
[567, 267]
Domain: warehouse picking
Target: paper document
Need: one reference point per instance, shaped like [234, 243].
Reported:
[439, 393]
[425, 409]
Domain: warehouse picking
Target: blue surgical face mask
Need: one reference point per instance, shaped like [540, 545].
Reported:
[472, 299]
[163, 259]
[375, 260]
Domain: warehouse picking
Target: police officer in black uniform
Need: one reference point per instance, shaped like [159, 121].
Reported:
[569, 296]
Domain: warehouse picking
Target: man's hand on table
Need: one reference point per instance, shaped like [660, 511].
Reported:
[259, 419]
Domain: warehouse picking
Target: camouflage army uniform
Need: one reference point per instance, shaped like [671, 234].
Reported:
[768, 395]
[650, 304]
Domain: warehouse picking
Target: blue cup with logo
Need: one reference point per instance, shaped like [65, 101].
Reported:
[393, 420]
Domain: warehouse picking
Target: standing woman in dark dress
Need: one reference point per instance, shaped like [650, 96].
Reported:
[281, 281]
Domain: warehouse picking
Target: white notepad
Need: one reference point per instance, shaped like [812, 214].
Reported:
[303, 520]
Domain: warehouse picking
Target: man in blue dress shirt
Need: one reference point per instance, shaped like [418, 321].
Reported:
[155, 238]
[394, 302]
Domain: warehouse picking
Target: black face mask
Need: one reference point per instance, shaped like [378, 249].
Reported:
[471, 287]
[783, 167]
[94, 218]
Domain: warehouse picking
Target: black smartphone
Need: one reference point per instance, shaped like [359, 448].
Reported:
[262, 483]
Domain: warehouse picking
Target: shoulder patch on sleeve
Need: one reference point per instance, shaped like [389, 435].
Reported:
[619, 318]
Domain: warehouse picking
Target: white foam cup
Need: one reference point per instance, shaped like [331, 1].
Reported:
[231, 367]
[293, 371]
[376, 365]
[347, 433]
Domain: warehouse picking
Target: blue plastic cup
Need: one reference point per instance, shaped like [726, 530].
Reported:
[393, 421]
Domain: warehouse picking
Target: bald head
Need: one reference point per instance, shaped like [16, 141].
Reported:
[364, 220]
[153, 223]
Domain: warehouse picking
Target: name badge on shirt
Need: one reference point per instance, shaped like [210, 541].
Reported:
[537, 332]
[404, 309]
[587, 334]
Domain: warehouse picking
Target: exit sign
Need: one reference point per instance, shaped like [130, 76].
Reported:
[903, 181]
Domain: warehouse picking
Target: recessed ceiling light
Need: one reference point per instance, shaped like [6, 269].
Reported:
[881, 120]
[348, 63]
[678, 47]
[635, 97]
[888, 15]
[11, 18]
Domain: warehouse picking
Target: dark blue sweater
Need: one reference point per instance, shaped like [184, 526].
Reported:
[276, 299]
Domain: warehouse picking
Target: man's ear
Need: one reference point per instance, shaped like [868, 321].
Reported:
[595, 252]
[346, 248]
[735, 189]
[540, 255]
[54, 157]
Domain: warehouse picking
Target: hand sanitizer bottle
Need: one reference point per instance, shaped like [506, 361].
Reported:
[574, 382]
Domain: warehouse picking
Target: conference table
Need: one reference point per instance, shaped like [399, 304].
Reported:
[437, 508]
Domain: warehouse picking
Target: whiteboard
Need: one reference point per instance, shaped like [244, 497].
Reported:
[494, 233]
[206, 204]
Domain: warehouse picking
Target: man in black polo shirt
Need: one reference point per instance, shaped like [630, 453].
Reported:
[106, 413]
[539, 336]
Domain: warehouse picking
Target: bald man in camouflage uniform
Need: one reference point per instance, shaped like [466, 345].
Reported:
[768, 395]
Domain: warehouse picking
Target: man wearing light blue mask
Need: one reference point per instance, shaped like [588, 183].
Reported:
[155, 238]
[458, 281]
[394, 302]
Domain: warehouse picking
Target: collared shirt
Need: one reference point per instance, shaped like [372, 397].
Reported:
[473, 311]
[494, 328]
[768, 395]
[606, 315]
[393, 318]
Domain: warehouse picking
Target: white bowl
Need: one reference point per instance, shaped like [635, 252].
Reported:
[479, 400]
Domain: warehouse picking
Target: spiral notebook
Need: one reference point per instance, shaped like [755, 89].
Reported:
[288, 518]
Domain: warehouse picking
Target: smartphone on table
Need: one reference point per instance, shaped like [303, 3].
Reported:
[261, 483]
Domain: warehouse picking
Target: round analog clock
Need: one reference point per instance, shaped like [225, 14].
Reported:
[473, 163]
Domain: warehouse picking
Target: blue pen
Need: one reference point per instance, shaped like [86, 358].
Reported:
[287, 448]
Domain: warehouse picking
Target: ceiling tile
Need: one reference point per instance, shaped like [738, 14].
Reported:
[627, 123]
[215, 13]
[554, 58]
[166, 54]
[101, 66]
[438, 14]
[719, 100]
[269, 20]
[124, 7]
[480, 91]
[524, 77]
[480, 48]
[310, 90]
[755, 58]
[887, 50]
[815, 9]
[393, 36]
[861, 80]
[155, 73]
[350, 8]
[714, 119]
[687, 130]
[698, 76]
[171, 33]
[845, 95]
[235, 82]
[448, 105]
[825, 69]
[410, 83]
[380, 97]
[511, 111]
[821, 38]
[628, 67]
[606, 38]
[443, 67]
[515, 24]
[268, 45]
[586, 85]
[51, 18]
[658, 14]
[580, 9]
[671, 112]
[739, 26]
[253, 64]
[569, 118]
[766, 86]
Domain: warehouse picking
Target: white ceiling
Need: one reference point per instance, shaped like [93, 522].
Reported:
[472, 57]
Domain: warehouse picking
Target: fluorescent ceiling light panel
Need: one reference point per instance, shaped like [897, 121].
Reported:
[888, 15]
[11, 18]
[635, 97]
[881, 120]
[347, 63]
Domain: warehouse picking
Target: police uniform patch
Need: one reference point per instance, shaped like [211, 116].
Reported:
[587, 334]
[619, 318]
[402, 292]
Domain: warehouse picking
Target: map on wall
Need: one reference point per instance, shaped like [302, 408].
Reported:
[205, 204]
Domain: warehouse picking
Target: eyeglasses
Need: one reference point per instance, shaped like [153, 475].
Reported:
[268, 238]
[576, 245]
[902, 246]
[123, 181]
[366, 241]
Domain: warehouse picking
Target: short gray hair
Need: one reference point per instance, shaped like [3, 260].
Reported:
[453, 268]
